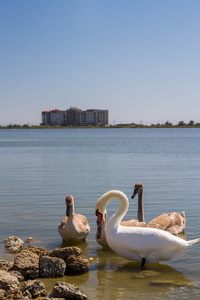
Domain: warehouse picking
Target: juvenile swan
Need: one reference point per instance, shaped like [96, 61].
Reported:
[73, 227]
[172, 222]
[141, 244]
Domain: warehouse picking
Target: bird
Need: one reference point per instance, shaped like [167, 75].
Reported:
[74, 227]
[100, 232]
[172, 222]
[100, 235]
[138, 189]
[140, 244]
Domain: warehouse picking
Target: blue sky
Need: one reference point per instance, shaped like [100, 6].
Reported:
[140, 59]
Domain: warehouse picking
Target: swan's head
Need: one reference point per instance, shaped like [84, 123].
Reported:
[100, 210]
[101, 204]
[101, 222]
[102, 219]
[69, 203]
[138, 189]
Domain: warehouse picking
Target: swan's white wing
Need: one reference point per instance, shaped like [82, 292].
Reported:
[153, 244]
[149, 238]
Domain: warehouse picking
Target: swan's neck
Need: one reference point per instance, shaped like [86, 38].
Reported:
[140, 215]
[70, 210]
[120, 213]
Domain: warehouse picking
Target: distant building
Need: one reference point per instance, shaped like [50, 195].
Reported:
[75, 117]
[95, 117]
[103, 117]
[46, 117]
[54, 117]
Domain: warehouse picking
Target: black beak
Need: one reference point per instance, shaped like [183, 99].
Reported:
[134, 193]
[99, 229]
[100, 216]
[68, 210]
[99, 223]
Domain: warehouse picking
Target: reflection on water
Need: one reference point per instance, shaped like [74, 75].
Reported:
[118, 278]
[182, 235]
[83, 245]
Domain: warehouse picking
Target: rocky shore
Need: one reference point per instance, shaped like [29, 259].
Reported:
[21, 279]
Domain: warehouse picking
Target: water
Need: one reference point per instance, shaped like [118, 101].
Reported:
[40, 167]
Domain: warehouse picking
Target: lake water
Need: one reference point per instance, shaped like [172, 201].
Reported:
[40, 167]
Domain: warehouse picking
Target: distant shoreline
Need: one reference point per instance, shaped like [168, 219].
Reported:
[99, 127]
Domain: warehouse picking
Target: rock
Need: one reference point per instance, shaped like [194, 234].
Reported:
[8, 282]
[14, 295]
[145, 274]
[168, 283]
[27, 295]
[2, 293]
[52, 266]
[65, 252]
[76, 264]
[30, 240]
[35, 288]
[17, 274]
[67, 291]
[27, 263]
[37, 250]
[14, 244]
[5, 265]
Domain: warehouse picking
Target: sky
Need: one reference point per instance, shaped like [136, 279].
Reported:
[140, 59]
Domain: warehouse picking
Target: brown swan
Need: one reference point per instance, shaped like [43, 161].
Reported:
[73, 227]
[172, 222]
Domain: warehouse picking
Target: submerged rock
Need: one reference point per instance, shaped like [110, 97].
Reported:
[145, 274]
[67, 291]
[14, 244]
[168, 283]
[52, 266]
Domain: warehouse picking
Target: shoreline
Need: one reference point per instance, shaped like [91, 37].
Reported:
[100, 127]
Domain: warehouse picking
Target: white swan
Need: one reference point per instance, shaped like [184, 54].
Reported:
[100, 232]
[73, 227]
[141, 244]
[100, 235]
[172, 222]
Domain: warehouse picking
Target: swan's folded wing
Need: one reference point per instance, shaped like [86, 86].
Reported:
[149, 239]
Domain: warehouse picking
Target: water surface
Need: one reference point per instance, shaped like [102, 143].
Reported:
[40, 167]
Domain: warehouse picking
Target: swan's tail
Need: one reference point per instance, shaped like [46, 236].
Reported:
[191, 242]
[183, 214]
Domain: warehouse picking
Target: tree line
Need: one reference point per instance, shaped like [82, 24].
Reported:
[167, 124]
